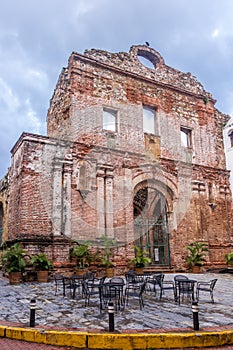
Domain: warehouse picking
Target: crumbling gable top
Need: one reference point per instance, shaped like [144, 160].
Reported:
[129, 63]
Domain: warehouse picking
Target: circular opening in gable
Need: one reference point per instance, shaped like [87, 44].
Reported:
[148, 59]
[147, 63]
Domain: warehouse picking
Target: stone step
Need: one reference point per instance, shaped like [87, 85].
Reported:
[156, 269]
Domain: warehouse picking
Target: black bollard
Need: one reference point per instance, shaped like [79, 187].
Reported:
[111, 316]
[195, 316]
[32, 312]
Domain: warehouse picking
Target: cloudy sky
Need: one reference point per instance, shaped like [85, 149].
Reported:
[37, 37]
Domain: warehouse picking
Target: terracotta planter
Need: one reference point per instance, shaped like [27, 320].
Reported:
[109, 272]
[139, 270]
[196, 269]
[42, 276]
[15, 277]
[80, 272]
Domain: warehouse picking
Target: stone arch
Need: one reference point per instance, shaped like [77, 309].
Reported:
[152, 205]
[158, 179]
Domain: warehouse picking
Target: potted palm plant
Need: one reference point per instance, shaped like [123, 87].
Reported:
[140, 260]
[13, 262]
[229, 260]
[42, 266]
[82, 255]
[196, 256]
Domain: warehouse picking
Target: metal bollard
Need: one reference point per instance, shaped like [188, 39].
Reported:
[195, 316]
[32, 312]
[111, 316]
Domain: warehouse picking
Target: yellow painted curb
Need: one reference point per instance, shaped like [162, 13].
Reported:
[159, 340]
[2, 331]
[127, 341]
[62, 338]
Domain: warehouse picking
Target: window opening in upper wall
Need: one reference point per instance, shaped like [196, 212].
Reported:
[186, 137]
[149, 120]
[109, 119]
[231, 138]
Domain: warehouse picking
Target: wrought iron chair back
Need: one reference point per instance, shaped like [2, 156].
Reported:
[185, 287]
[206, 287]
[135, 293]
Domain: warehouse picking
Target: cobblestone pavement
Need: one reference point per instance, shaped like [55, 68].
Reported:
[58, 312]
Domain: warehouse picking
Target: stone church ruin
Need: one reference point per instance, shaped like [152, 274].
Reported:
[132, 153]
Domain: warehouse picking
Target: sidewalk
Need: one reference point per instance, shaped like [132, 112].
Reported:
[158, 317]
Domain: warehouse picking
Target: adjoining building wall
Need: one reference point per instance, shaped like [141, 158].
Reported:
[132, 153]
[228, 144]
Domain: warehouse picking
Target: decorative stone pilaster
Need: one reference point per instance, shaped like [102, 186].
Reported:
[57, 198]
[109, 202]
[66, 214]
[100, 207]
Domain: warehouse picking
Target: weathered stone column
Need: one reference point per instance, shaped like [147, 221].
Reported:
[57, 198]
[109, 203]
[66, 205]
[100, 207]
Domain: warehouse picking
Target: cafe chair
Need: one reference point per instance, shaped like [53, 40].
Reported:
[155, 281]
[88, 291]
[109, 293]
[135, 292]
[206, 287]
[185, 287]
[58, 279]
[167, 285]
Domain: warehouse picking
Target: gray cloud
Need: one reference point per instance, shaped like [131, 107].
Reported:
[37, 37]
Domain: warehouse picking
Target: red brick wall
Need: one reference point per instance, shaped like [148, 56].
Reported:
[194, 181]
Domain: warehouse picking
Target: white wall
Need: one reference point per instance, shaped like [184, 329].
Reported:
[228, 149]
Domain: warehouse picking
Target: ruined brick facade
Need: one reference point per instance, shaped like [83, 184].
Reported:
[132, 153]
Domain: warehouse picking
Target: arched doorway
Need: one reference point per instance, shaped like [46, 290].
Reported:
[151, 224]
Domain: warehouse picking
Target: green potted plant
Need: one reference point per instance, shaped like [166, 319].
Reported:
[107, 255]
[82, 255]
[140, 260]
[229, 259]
[13, 262]
[196, 256]
[42, 265]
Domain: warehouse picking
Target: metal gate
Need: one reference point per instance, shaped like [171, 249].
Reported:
[152, 235]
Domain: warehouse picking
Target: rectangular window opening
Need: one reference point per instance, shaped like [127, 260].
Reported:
[186, 137]
[149, 120]
[231, 138]
[110, 119]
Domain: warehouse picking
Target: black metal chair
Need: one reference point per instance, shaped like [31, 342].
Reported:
[88, 291]
[167, 285]
[133, 291]
[119, 283]
[206, 287]
[109, 293]
[58, 279]
[132, 279]
[76, 282]
[154, 281]
[67, 284]
[185, 287]
[178, 278]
